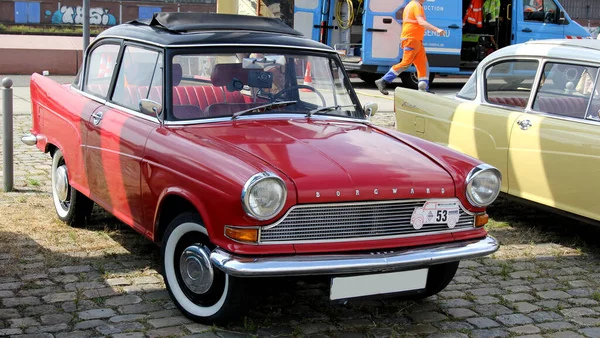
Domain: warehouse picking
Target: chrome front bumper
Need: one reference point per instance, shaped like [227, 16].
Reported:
[336, 264]
[29, 139]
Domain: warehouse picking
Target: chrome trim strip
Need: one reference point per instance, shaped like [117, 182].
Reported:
[29, 139]
[200, 45]
[367, 262]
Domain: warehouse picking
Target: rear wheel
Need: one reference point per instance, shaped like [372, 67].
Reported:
[72, 207]
[199, 289]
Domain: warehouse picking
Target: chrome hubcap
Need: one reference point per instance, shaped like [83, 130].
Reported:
[195, 268]
[61, 183]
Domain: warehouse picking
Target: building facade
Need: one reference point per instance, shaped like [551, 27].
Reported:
[102, 12]
[585, 12]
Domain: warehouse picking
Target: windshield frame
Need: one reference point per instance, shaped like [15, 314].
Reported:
[331, 57]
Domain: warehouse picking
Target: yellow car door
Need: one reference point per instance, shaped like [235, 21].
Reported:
[554, 155]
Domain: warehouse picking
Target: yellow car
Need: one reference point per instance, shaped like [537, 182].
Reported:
[530, 110]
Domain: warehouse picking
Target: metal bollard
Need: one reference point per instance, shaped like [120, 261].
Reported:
[7, 120]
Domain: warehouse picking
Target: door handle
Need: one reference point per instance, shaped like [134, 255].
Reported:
[97, 116]
[524, 124]
[376, 30]
[526, 30]
[453, 27]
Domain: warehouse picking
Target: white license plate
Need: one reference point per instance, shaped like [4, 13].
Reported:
[358, 286]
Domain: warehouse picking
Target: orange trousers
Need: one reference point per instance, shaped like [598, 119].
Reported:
[414, 53]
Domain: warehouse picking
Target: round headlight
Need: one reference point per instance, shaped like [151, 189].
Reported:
[483, 185]
[263, 196]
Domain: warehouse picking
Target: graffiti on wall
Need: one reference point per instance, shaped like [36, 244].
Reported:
[74, 15]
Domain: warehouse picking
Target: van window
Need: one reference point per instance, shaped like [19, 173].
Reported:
[540, 10]
[509, 83]
[565, 89]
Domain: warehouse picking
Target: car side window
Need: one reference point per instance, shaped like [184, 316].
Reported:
[565, 89]
[469, 90]
[509, 83]
[101, 67]
[140, 77]
[540, 10]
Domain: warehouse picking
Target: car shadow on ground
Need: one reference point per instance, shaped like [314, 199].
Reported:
[104, 277]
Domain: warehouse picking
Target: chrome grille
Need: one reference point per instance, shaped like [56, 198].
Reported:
[354, 221]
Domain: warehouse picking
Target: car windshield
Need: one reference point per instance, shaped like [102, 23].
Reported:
[207, 86]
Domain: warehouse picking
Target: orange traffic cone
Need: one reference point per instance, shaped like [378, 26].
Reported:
[307, 78]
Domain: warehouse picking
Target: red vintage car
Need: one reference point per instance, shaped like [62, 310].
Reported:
[241, 148]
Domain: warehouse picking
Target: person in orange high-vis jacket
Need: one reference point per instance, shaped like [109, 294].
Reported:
[413, 32]
[474, 14]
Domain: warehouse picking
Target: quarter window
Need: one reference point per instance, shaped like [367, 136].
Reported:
[509, 83]
[469, 90]
[101, 68]
[140, 77]
[565, 89]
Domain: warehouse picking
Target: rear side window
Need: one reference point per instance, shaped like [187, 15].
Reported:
[509, 83]
[565, 89]
[101, 68]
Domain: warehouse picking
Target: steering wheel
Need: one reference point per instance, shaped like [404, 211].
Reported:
[276, 96]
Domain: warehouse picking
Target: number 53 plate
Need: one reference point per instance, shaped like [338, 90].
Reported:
[436, 212]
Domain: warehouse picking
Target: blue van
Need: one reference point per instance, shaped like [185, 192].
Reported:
[366, 33]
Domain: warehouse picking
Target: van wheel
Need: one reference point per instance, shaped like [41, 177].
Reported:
[437, 280]
[199, 289]
[72, 207]
[410, 80]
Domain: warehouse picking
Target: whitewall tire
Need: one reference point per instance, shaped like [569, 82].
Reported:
[72, 207]
[201, 291]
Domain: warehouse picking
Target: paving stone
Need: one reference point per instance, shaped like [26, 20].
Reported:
[525, 307]
[65, 279]
[169, 321]
[96, 293]
[75, 269]
[96, 314]
[545, 316]
[592, 332]
[492, 310]
[518, 297]
[56, 318]
[82, 305]
[451, 294]
[277, 331]
[199, 328]
[110, 329]
[427, 317]
[454, 326]
[139, 308]
[490, 333]
[486, 300]
[88, 324]
[485, 291]
[165, 332]
[586, 321]
[146, 280]
[583, 302]
[84, 286]
[514, 319]
[118, 281]
[75, 334]
[354, 323]
[554, 326]
[127, 318]
[578, 312]
[565, 334]
[60, 297]
[123, 300]
[40, 310]
[453, 303]
[19, 301]
[448, 335]
[129, 335]
[34, 276]
[35, 335]
[553, 295]
[47, 328]
[381, 333]
[421, 329]
[6, 293]
[518, 288]
[523, 274]
[22, 322]
[482, 322]
[9, 332]
[9, 313]
[524, 329]
[461, 313]
[586, 292]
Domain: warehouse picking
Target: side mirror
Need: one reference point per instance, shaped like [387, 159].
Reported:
[370, 108]
[150, 108]
[561, 17]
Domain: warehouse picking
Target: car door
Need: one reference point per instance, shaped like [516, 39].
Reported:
[383, 27]
[537, 22]
[117, 135]
[307, 19]
[554, 155]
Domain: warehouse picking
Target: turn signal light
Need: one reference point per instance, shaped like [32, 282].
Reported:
[481, 220]
[242, 234]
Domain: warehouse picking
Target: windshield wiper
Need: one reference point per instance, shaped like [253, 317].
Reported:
[324, 109]
[265, 107]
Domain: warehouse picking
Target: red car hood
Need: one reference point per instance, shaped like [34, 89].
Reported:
[331, 161]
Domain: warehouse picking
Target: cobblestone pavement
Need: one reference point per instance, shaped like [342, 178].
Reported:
[102, 280]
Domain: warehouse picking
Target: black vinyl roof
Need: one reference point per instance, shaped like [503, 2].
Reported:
[177, 29]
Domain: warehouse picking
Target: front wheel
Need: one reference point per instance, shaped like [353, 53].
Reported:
[72, 207]
[200, 290]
